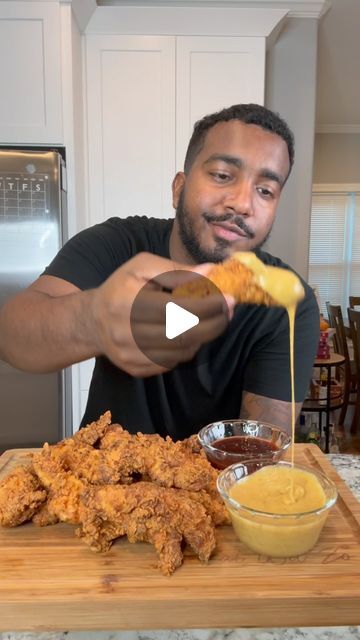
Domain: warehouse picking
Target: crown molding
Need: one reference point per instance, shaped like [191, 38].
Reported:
[85, 10]
[337, 128]
[185, 21]
[293, 8]
[82, 10]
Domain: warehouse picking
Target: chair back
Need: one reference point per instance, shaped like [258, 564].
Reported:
[354, 301]
[354, 323]
[350, 377]
[336, 322]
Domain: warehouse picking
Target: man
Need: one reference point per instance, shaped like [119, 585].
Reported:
[237, 163]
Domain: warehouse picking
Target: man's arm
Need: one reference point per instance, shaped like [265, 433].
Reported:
[46, 327]
[276, 412]
[53, 324]
[267, 376]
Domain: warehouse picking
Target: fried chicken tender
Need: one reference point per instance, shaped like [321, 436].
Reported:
[192, 445]
[21, 495]
[110, 483]
[64, 490]
[118, 465]
[231, 277]
[249, 281]
[149, 513]
[121, 457]
[170, 464]
[115, 434]
[93, 431]
[143, 511]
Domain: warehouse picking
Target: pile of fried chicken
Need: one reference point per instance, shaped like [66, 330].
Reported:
[111, 483]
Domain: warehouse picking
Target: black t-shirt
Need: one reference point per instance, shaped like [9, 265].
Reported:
[251, 355]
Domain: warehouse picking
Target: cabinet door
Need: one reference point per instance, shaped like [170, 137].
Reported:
[212, 73]
[30, 106]
[131, 126]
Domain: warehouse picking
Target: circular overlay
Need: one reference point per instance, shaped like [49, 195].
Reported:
[167, 321]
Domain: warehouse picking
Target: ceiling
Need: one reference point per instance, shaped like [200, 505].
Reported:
[338, 79]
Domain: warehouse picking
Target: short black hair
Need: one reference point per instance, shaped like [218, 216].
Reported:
[247, 113]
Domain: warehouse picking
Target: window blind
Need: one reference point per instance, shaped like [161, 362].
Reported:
[334, 255]
[355, 261]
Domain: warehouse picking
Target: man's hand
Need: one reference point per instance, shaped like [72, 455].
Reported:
[113, 310]
[53, 324]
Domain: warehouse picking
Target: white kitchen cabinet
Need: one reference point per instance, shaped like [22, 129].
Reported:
[130, 85]
[30, 108]
[142, 102]
[212, 73]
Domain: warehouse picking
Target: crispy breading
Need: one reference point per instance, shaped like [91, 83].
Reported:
[121, 457]
[120, 464]
[113, 434]
[94, 431]
[231, 277]
[193, 445]
[64, 489]
[169, 464]
[21, 495]
[147, 512]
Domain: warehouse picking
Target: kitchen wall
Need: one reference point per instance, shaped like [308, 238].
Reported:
[290, 85]
[291, 90]
[337, 158]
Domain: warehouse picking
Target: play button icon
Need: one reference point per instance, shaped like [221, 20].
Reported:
[164, 325]
[178, 320]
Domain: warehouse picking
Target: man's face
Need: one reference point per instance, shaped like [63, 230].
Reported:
[227, 202]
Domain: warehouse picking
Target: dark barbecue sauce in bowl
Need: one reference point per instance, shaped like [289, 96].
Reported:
[227, 451]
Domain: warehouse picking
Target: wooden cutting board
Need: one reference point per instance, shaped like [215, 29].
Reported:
[50, 580]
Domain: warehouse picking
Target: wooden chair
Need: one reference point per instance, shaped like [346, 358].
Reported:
[349, 376]
[354, 301]
[354, 323]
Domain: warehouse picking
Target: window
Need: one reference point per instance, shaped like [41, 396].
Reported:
[334, 256]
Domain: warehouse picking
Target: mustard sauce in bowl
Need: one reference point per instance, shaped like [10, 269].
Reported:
[277, 509]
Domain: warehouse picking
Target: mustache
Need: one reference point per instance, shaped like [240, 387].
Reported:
[233, 219]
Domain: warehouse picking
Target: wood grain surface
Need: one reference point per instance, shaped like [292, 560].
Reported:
[50, 580]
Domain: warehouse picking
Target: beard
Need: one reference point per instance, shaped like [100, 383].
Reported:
[223, 248]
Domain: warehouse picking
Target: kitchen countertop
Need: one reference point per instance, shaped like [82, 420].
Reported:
[348, 467]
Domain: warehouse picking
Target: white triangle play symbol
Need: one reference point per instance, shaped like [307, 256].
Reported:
[178, 320]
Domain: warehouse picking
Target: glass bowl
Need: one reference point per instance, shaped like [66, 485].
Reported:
[229, 441]
[268, 531]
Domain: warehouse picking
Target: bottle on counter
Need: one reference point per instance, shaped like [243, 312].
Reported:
[300, 428]
[323, 375]
[313, 438]
[333, 442]
[313, 435]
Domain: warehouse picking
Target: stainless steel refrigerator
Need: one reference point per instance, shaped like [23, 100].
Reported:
[34, 408]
